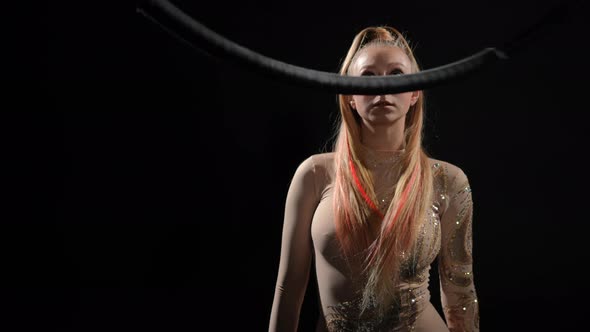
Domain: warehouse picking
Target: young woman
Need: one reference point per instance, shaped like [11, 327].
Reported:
[374, 213]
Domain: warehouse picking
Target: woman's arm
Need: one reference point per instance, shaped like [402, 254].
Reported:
[296, 249]
[455, 262]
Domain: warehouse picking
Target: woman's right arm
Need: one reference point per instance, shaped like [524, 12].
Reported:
[296, 249]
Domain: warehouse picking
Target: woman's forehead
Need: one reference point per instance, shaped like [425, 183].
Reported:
[387, 55]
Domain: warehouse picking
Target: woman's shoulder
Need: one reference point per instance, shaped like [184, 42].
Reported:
[447, 170]
[323, 162]
[322, 165]
[313, 173]
[318, 163]
[323, 159]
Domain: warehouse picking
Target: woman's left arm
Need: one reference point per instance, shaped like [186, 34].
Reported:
[455, 261]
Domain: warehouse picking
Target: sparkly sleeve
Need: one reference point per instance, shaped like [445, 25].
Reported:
[455, 262]
[296, 249]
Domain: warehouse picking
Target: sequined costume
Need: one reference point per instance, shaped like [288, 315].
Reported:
[309, 236]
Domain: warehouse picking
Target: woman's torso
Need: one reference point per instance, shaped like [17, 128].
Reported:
[340, 284]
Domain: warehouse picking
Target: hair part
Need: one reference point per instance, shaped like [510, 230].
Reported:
[373, 43]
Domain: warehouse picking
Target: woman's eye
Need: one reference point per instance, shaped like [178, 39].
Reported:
[393, 72]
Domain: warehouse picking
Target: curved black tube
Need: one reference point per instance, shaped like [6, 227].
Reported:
[176, 21]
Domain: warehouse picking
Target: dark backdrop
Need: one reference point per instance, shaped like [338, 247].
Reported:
[155, 176]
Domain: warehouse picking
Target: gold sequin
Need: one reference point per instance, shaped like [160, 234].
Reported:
[401, 314]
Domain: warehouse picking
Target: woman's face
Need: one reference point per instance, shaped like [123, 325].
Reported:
[382, 109]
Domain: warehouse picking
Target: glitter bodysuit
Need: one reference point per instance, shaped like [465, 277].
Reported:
[309, 236]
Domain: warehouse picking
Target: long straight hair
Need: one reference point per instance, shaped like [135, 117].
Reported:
[382, 239]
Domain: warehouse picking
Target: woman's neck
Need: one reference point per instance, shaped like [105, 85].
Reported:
[383, 138]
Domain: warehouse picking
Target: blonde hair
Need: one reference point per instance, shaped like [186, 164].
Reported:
[355, 214]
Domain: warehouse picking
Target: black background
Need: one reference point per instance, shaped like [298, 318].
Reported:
[154, 176]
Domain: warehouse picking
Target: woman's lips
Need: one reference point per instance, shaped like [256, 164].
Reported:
[382, 104]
